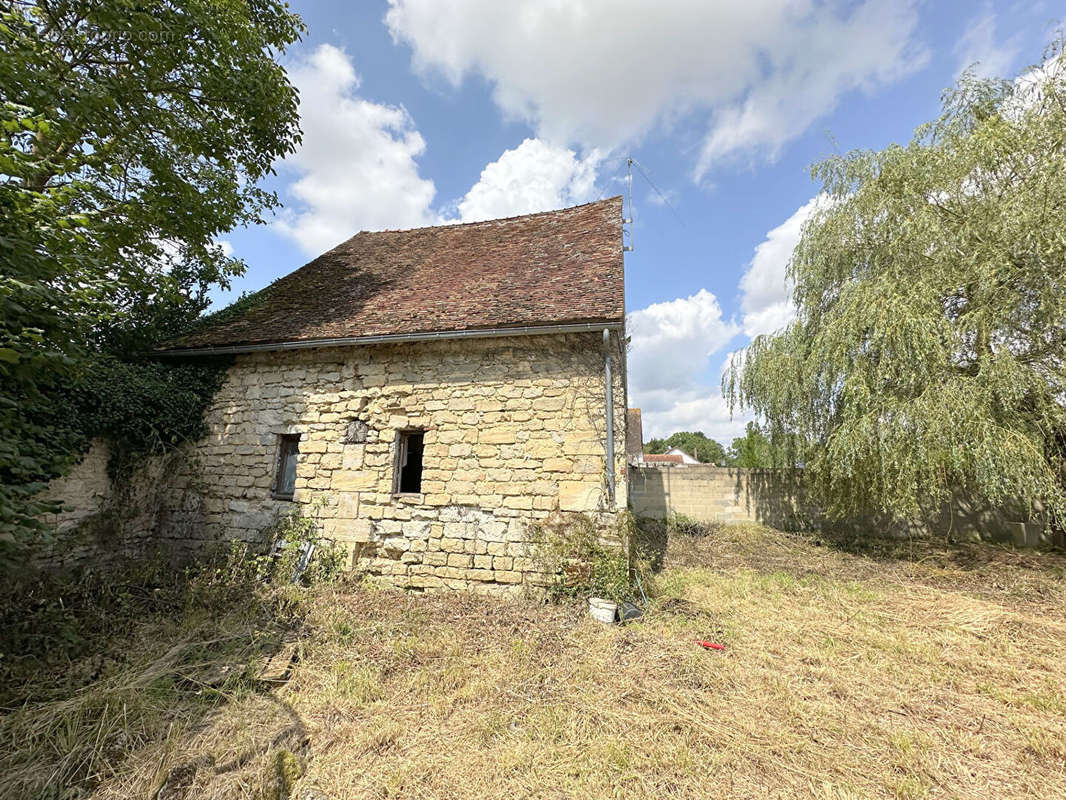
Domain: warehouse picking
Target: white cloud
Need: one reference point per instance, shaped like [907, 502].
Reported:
[672, 344]
[705, 411]
[603, 72]
[672, 341]
[666, 198]
[357, 166]
[978, 46]
[765, 290]
[535, 176]
[356, 162]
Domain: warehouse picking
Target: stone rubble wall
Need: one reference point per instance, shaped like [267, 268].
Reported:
[101, 522]
[514, 433]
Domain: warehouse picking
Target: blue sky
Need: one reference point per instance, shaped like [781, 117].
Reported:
[417, 112]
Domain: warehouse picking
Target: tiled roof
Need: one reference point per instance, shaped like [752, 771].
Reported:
[552, 268]
[663, 459]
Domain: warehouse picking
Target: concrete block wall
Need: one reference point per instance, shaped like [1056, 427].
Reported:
[776, 497]
[721, 494]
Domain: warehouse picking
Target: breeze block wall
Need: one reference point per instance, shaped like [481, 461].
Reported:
[514, 432]
[777, 497]
[722, 494]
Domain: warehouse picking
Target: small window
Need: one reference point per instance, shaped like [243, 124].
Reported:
[409, 445]
[285, 479]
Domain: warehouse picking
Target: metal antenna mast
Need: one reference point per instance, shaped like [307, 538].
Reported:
[629, 220]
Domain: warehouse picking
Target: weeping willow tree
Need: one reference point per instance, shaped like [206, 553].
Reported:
[927, 352]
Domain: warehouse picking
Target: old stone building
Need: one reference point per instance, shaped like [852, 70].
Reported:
[428, 394]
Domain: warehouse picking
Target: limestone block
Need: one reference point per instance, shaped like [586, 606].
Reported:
[496, 435]
[348, 530]
[436, 559]
[558, 465]
[579, 496]
[354, 480]
[416, 529]
[549, 404]
[541, 449]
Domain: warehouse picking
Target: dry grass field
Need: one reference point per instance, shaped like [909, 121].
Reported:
[905, 670]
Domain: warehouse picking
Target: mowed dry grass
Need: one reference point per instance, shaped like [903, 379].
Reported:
[902, 670]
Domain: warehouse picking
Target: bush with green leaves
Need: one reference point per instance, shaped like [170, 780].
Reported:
[132, 136]
[274, 559]
[586, 560]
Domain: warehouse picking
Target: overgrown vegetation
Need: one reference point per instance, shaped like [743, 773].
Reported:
[131, 137]
[584, 560]
[852, 669]
[680, 525]
[93, 667]
[753, 450]
[926, 357]
[292, 550]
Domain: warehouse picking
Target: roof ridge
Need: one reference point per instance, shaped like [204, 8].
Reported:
[490, 221]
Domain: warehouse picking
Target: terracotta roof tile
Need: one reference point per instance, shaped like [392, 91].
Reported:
[663, 459]
[551, 268]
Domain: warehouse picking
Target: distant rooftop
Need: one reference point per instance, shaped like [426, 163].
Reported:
[651, 458]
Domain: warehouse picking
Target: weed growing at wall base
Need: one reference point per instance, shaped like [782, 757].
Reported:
[291, 551]
[586, 559]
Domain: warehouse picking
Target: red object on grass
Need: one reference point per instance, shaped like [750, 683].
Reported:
[710, 645]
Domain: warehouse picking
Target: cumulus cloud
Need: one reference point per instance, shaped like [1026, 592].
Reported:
[757, 73]
[980, 48]
[535, 176]
[672, 344]
[357, 162]
[695, 410]
[672, 341]
[357, 167]
[765, 290]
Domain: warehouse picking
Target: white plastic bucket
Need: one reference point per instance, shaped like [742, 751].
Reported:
[603, 610]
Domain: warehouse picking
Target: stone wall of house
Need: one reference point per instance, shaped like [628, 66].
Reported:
[514, 432]
[777, 498]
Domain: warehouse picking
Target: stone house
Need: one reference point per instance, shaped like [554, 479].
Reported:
[428, 394]
[634, 437]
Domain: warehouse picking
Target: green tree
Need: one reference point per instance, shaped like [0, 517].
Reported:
[927, 354]
[132, 134]
[752, 450]
[694, 443]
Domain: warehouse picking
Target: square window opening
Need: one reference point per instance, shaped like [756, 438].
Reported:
[285, 473]
[409, 447]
